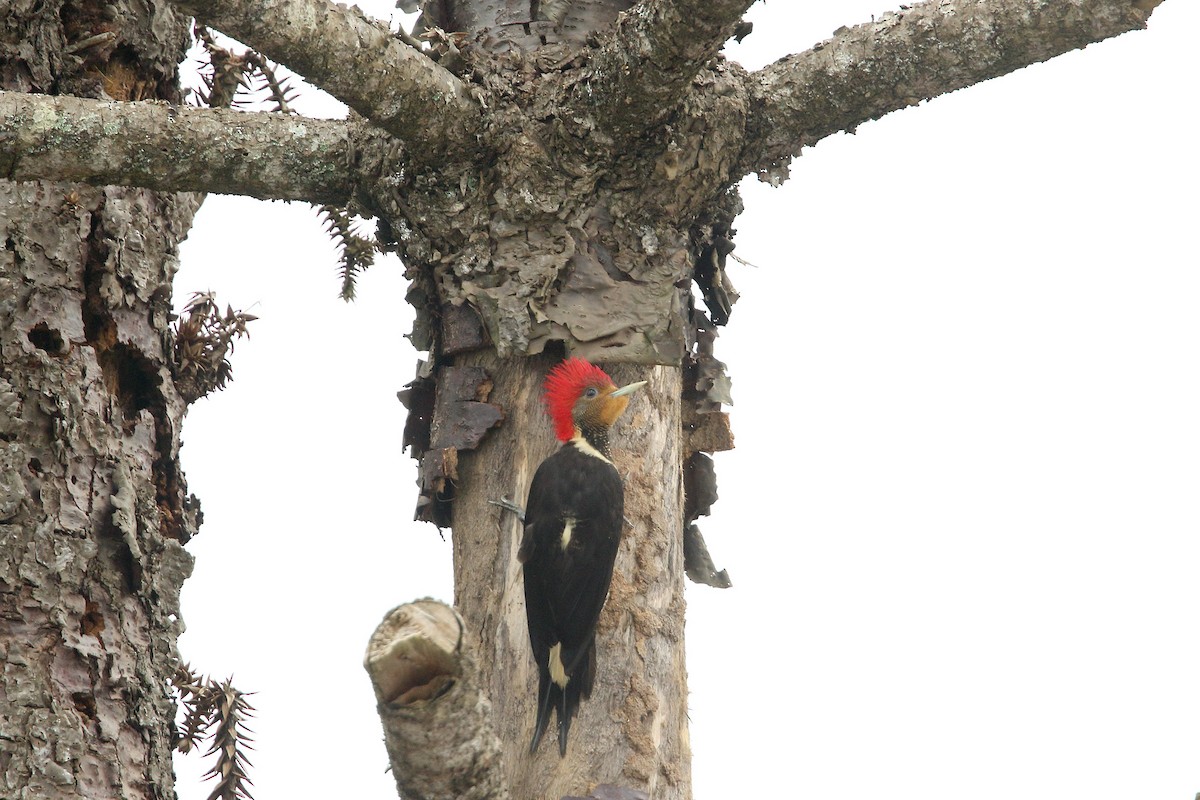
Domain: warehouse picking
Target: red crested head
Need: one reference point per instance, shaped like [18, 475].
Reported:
[565, 385]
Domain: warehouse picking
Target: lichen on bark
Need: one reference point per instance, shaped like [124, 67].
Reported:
[93, 508]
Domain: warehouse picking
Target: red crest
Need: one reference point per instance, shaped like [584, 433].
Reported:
[564, 384]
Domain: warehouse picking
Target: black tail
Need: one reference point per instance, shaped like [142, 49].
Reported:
[547, 694]
[564, 701]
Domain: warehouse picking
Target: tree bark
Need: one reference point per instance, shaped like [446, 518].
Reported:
[645, 63]
[559, 230]
[633, 730]
[437, 724]
[907, 56]
[179, 148]
[93, 506]
[358, 61]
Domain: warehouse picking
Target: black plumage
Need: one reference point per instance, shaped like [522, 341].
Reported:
[576, 491]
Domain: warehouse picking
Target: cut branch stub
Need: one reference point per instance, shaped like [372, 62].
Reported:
[413, 654]
[437, 722]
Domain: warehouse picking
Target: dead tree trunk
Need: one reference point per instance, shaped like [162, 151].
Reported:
[633, 730]
[555, 182]
[93, 507]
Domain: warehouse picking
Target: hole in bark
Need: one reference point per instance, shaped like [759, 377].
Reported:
[92, 621]
[10, 244]
[166, 486]
[35, 466]
[98, 326]
[43, 337]
[131, 377]
[85, 704]
[114, 547]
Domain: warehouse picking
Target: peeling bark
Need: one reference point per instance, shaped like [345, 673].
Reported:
[549, 229]
[93, 507]
[571, 217]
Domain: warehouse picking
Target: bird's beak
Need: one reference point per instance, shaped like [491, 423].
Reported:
[629, 389]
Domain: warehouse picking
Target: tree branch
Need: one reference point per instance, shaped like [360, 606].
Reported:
[357, 61]
[642, 69]
[174, 148]
[904, 57]
[437, 721]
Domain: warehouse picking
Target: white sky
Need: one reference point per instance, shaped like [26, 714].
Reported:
[962, 520]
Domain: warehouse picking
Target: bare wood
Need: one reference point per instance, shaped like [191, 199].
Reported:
[632, 732]
[165, 147]
[357, 61]
[436, 718]
[908, 56]
[644, 65]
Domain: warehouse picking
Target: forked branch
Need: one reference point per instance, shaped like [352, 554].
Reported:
[359, 62]
[648, 59]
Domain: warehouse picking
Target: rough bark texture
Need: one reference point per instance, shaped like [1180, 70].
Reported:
[358, 61]
[633, 730]
[93, 507]
[161, 146]
[437, 723]
[907, 56]
[564, 237]
[501, 25]
[643, 67]
[556, 221]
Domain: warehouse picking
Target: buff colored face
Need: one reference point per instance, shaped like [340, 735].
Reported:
[600, 404]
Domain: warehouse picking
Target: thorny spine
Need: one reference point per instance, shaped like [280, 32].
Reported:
[219, 707]
[252, 74]
[204, 339]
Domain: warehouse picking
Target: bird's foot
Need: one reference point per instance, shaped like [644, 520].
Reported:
[509, 505]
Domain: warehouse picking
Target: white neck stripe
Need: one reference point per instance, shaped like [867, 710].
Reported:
[585, 446]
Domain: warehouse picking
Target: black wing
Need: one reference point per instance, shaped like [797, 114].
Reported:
[566, 586]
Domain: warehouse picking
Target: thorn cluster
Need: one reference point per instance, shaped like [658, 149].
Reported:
[240, 80]
[357, 251]
[203, 341]
[215, 706]
[248, 80]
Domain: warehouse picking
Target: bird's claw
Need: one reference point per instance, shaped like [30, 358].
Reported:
[509, 505]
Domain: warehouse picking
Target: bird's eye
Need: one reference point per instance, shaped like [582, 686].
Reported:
[591, 392]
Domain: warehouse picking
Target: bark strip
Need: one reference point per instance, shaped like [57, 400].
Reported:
[174, 148]
[357, 61]
[908, 56]
[437, 721]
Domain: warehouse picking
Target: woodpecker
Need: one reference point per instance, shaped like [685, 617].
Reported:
[573, 521]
